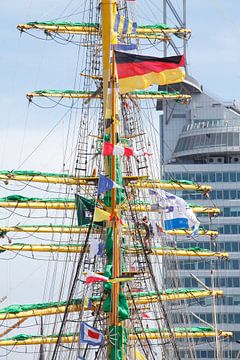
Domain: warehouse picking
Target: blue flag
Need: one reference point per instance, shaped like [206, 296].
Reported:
[124, 47]
[101, 248]
[105, 184]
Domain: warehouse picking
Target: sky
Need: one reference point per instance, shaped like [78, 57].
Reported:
[214, 52]
[28, 64]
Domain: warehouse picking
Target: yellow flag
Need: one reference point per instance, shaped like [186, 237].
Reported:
[86, 301]
[139, 356]
[100, 215]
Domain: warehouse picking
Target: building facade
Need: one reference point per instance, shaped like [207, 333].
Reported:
[200, 141]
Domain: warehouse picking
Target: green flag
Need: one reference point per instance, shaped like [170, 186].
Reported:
[85, 209]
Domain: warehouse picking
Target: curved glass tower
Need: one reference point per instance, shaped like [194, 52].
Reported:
[200, 141]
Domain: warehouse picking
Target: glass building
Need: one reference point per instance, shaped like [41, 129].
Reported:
[200, 141]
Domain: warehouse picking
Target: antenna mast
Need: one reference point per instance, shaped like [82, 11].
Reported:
[179, 21]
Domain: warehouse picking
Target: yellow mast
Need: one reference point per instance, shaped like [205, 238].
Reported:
[110, 111]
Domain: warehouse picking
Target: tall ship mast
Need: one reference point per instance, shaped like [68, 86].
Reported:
[104, 224]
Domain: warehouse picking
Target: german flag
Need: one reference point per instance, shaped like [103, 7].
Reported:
[137, 72]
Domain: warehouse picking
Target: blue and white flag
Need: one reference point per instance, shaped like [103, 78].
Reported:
[90, 335]
[176, 212]
[105, 184]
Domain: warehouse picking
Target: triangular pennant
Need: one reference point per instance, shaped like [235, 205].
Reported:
[139, 355]
[92, 277]
[106, 184]
[101, 215]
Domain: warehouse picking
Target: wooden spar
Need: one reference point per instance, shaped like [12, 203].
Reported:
[68, 180]
[83, 230]
[156, 184]
[68, 29]
[141, 300]
[141, 32]
[96, 95]
[78, 249]
[148, 208]
[190, 232]
[179, 335]
[70, 205]
[69, 339]
[73, 180]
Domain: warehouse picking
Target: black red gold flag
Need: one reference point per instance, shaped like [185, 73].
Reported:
[138, 72]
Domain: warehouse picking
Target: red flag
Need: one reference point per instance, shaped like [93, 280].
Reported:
[145, 316]
[92, 277]
[110, 149]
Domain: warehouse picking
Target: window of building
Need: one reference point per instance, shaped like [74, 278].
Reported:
[235, 300]
[235, 282]
[205, 177]
[226, 194]
[225, 177]
[235, 246]
[230, 139]
[212, 177]
[233, 194]
[224, 139]
[227, 229]
[219, 177]
[218, 139]
[235, 139]
[235, 228]
[233, 176]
